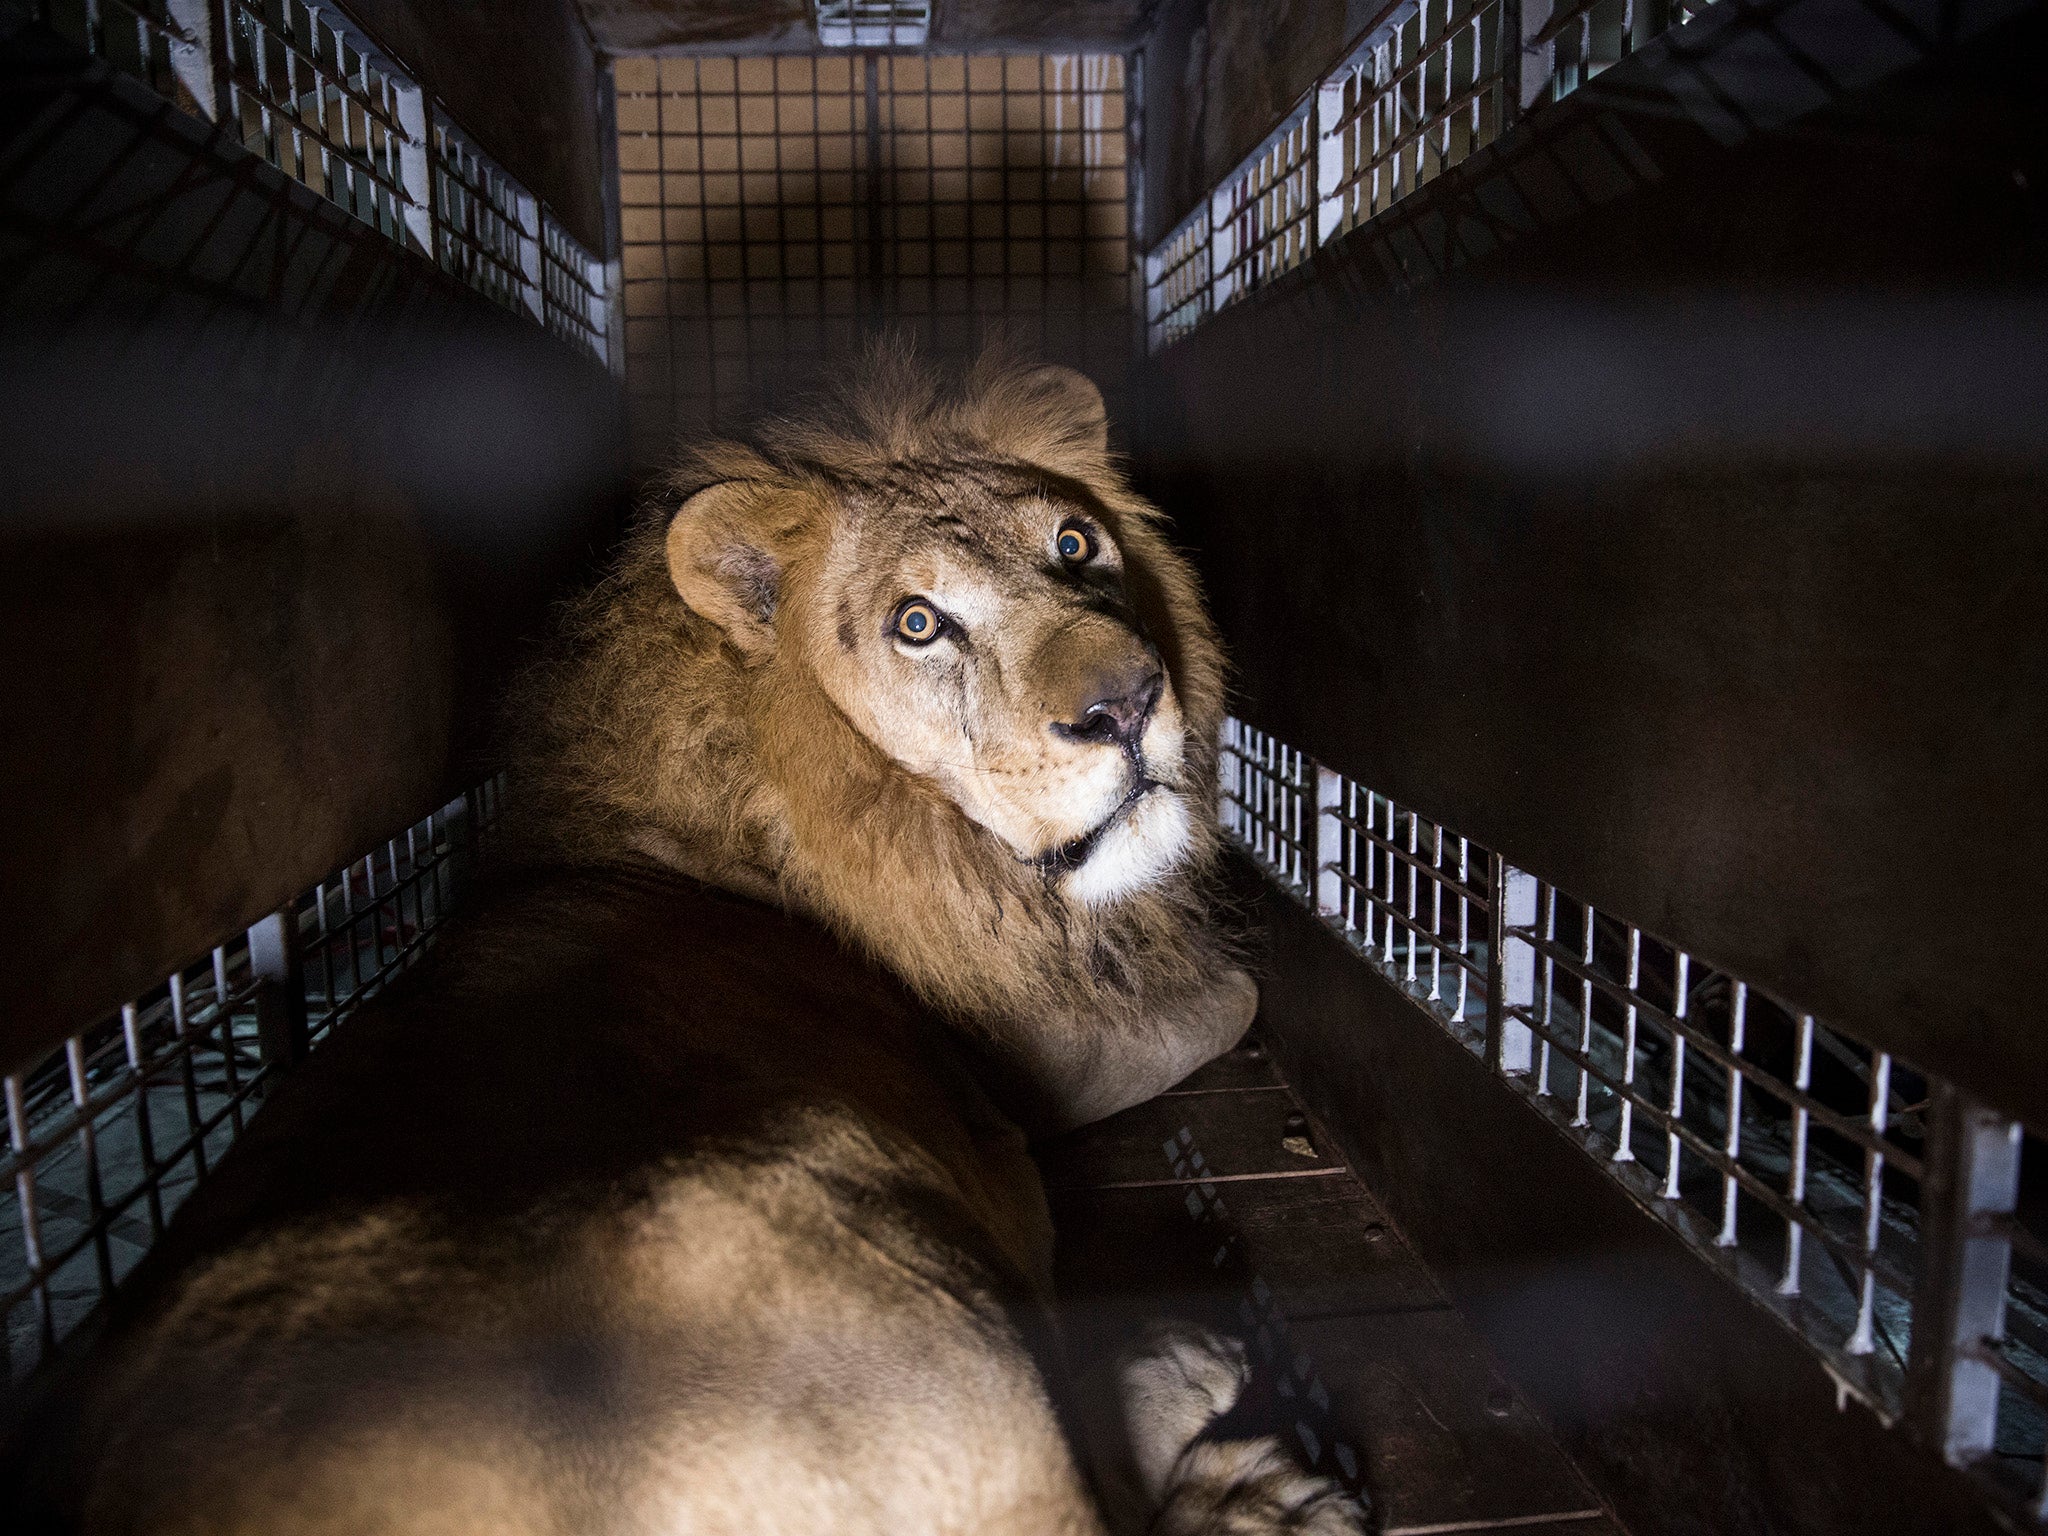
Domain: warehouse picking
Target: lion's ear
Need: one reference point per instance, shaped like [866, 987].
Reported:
[726, 551]
[1073, 404]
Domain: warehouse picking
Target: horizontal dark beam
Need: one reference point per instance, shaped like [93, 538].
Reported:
[1687, 548]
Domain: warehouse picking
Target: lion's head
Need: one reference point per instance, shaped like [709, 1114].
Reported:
[920, 662]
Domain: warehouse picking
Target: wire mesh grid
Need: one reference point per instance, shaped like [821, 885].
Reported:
[108, 1134]
[873, 23]
[776, 210]
[1177, 281]
[1260, 218]
[485, 223]
[1791, 1156]
[304, 92]
[1414, 896]
[572, 290]
[1580, 38]
[1417, 96]
[1267, 795]
[137, 37]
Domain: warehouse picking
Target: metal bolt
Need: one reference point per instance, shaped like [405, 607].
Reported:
[1374, 1231]
[1499, 1403]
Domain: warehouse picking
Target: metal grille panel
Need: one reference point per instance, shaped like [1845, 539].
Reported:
[1432, 83]
[486, 222]
[874, 23]
[306, 94]
[1267, 790]
[1260, 216]
[142, 38]
[1863, 1202]
[1419, 96]
[1177, 281]
[109, 1133]
[300, 85]
[1414, 896]
[572, 290]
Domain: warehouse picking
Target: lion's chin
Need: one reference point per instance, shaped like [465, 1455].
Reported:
[1144, 845]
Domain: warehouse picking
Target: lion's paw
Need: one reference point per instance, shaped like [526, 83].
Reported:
[1170, 1385]
[1144, 1408]
[1253, 1488]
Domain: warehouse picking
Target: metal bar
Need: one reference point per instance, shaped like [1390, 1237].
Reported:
[89, 1151]
[1852, 1128]
[145, 1138]
[1624, 1149]
[1329, 842]
[1795, 1175]
[1511, 978]
[1681, 967]
[279, 968]
[224, 1020]
[31, 1216]
[1972, 1180]
[1588, 917]
[1549, 992]
[1862, 1341]
[872, 77]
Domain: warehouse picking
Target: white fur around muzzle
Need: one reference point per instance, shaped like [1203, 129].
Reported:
[1142, 847]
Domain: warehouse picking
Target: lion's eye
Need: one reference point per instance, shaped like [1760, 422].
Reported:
[917, 621]
[1074, 545]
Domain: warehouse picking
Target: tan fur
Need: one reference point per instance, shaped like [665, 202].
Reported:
[751, 747]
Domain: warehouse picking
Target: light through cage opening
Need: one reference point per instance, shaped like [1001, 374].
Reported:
[776, 211]
[874, 23]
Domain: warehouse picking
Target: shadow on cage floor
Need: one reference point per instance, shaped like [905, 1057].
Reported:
[1219, 1202]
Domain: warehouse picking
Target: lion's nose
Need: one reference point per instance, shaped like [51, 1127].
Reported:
[1116, 704]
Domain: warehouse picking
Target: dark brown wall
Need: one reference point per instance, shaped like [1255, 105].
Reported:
[1689, 549]
[521, 77]
[279, 505]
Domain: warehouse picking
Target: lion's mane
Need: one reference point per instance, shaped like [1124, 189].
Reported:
[642, 730]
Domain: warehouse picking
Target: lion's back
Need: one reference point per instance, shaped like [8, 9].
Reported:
[637, 1177]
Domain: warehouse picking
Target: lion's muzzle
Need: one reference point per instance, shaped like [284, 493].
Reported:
[1100, 682]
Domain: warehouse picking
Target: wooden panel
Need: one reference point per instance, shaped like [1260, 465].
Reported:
[1445, 1438]
[1242, 1134]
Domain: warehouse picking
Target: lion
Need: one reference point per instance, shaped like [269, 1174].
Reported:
[687, 1186]
[1012, 808]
